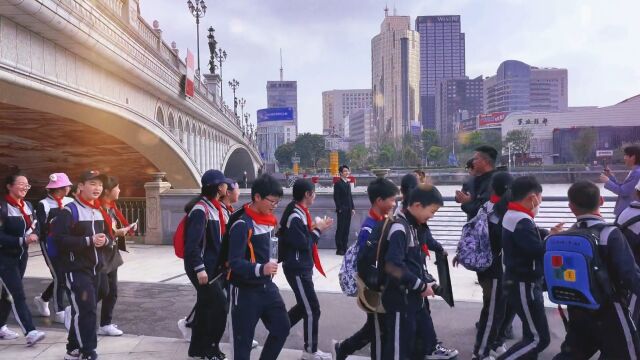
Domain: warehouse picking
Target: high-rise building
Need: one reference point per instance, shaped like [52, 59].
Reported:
[456, 99]
[278, 123]
[338, 104]
[361, 129]
[518, 87]
[395, 67]
[442, 56]
[284, 94]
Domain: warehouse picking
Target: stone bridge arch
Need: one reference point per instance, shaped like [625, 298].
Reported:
[237, 161]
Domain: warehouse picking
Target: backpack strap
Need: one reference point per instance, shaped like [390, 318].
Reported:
[629, 222]
[75, 216]
[4, 210]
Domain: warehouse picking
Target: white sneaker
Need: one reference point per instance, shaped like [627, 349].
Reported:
[318, 355]
[58, 317]
[34, 336]
[441, 353]
[184, 329]
[110, 330]
[72, 355]
[499, 350]
[7, 334]
[42, 306]
[254, 344]
[67, 317]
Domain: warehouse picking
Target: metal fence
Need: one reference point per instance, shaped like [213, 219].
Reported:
[135, 209]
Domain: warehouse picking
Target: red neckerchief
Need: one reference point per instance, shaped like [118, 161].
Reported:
[517, 207]
[374, 215]
[494, 199]
[316, 255]
[261, 219]
[96, 205]
[230, 208]
[119, 215]
[20, 204]
[223, 224]
[58, 200]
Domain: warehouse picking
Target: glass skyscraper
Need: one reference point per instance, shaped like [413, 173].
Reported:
[442, 56]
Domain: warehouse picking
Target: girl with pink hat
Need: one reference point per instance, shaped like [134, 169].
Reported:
[47, 209]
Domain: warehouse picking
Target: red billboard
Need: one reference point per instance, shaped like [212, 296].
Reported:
[491, 120]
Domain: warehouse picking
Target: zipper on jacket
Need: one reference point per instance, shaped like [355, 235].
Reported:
[297, 255]
[93, 229]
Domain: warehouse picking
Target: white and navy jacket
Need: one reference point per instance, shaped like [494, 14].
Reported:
[46, 210]
[632, 231]
[74, 238]
[203, 238]
[523, 248]
[244, 272]
[13, 229]
[616, 255]
[297, 243]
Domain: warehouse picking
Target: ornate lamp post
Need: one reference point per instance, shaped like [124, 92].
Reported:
[221, 56]
[212, 50]
[234, 84]
[198, 12]
[242, 102]
[246, 122]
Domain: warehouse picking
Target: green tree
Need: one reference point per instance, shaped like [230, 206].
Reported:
[429, 138]
[310, 148]
[284, 153]
[436, 154]
[358, 156]
[386, 155]
[584, 146]
[520, 140]
[474, 140]
[493, 137]
[410, 157]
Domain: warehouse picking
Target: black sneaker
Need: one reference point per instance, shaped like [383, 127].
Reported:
[335, 351]
[92, 356]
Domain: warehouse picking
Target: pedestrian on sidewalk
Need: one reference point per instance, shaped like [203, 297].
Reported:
[382, 196]
[344, 208]
[523, 252]
[108, 276]
[299, 236]
[204, 229]
[18, 230]
[80, 234]
[253, 263]
[479, 187]
[629, 223]
[47, 209]
[625, 189]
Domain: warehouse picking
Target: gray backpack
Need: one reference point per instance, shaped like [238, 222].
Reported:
[474, 247]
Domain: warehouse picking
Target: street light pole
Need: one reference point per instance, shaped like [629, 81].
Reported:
[198, 10]
[212, 50]
[221, 56]
[234, 84]
[242, 103]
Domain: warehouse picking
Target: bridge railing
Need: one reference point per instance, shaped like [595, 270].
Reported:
[135, 208]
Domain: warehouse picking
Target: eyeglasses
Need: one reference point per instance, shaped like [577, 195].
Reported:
[273, 203]
[24, 186]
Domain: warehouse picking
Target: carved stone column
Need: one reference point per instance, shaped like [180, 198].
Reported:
[213, 82]
[153, 189]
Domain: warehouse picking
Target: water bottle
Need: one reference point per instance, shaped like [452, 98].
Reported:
[273, 250]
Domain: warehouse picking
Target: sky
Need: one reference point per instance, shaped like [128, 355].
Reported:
[326, 44]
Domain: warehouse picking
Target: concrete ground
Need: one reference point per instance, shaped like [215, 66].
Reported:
[154, 294]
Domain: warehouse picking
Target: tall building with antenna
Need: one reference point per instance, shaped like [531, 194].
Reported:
[278, 123]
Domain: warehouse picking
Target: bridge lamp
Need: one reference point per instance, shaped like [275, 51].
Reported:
[212, 50]
[242, 102]
[234, 84]
[221, 56]
[198, 10]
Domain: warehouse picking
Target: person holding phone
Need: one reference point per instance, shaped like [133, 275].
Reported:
[108, 277]
[625, 189]
[478, 189]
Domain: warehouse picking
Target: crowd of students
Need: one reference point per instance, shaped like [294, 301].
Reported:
[81, 238]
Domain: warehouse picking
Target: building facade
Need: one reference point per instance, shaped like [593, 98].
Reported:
[456, 100]
[442, 56]
[395, 67]
[338, 104]
[361, 128]
[614, 124]
[284, 94]
[520, 87]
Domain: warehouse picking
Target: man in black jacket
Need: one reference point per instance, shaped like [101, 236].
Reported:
[344, 208]
[479, 189]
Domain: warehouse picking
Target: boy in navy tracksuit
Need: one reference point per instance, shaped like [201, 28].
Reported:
[253, 295]
[80, 234]
[629, 223]
[18, 230]
[609, 329]
[204, 229]
[523, 250]
[46, 210]
[299, 236]
[382, 196]
[408, 283]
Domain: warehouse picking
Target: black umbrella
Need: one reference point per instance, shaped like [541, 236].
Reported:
[444, 289]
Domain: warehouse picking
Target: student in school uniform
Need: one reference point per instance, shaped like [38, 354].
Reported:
[18, 230]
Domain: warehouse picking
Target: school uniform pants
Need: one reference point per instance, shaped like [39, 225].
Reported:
[492, 315]
[82, 291]
[210, 316]
[370, 333]
[57, 289]
[248, 304]
[307, 308]
[404, 325]
[634, 308]
[342, 230]
[12, 270]
[609, 330]
[108, 294]
[527, 301]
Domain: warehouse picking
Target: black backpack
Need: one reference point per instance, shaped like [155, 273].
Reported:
[222, 265]
[370, 263]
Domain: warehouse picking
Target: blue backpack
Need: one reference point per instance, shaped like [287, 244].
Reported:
[574, 272]
[474, 247]
[52, 248]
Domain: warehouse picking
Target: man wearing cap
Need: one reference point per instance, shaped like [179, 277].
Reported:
[79, 234]
[47, 209]
[203, 236]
